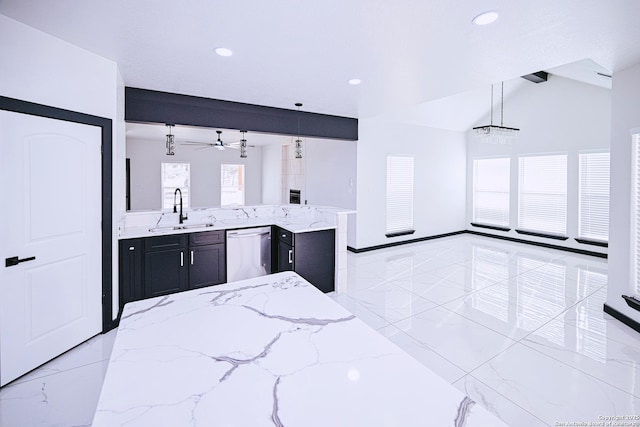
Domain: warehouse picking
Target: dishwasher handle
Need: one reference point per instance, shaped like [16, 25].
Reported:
[238, 235]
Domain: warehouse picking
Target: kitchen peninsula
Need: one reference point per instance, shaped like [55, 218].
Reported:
[267, 351]
[165, 252]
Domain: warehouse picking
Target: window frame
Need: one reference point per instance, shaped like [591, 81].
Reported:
[483, 222]
[399, 198]
[241, 183]
[184, 190]
[524, 223]
[583, 235]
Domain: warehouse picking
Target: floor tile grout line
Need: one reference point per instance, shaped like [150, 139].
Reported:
[39, 378]
[504, 397]
[578, 369]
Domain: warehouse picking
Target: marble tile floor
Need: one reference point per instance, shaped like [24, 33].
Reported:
[519, 329]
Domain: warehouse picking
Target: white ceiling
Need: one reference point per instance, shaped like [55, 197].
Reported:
[285, 51]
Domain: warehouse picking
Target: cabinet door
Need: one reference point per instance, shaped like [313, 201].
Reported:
[130, 271]
[207, 265]
[315, 258]
[165, 271]
[285, 256]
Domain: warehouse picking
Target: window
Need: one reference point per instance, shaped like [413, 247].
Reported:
[231, 185]
[593, 195]
[399, 195]
[635, 211]
[491, 191]
[175, 175]
[542, 194]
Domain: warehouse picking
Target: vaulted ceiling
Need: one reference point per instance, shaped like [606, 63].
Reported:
[285, 51]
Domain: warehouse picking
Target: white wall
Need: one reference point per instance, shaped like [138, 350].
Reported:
[558, 116]
[331, 172]
[625, 113]
[39, 68]
[439, 179]
[147, 155]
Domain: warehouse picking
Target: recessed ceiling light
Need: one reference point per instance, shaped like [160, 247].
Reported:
[355, 82]
[486, 18]
[223, 51]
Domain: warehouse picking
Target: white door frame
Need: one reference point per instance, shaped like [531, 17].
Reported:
[25, 107]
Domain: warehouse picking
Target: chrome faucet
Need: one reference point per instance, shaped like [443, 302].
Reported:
[181, 218]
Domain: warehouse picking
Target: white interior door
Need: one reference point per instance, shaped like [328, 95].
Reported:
[51, 210]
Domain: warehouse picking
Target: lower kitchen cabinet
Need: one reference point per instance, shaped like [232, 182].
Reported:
[207, 260]
[160, 265]
[311, 255]
[165, 265]
[130, 270]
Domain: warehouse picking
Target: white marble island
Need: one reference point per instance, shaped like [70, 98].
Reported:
[268, 351]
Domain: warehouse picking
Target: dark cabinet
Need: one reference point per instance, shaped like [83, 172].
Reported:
[165, 265]
[310, 254]
[285, 257]
[207, 261]
[160, 265]
[130, 271]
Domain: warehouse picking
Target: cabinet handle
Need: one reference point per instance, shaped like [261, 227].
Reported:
[132, 248]
[181, 259]
[290, 256]
[191, 257]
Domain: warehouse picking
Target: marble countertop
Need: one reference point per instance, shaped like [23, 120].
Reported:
[189, 227]
[296, 219]
[268, 351]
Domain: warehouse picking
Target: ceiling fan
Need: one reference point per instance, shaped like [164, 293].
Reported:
[219, 144]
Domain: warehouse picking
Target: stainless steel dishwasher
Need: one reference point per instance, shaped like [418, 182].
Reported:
[248, 253]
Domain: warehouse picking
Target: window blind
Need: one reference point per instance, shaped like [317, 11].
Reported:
[175, 175]
[593, 196]
[635, 211]
[399, 194]
[491, 191]
[542, 194]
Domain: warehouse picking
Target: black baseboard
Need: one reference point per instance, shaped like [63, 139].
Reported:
[541, 244]
[622, 317]
[478, 233]
[404, 242]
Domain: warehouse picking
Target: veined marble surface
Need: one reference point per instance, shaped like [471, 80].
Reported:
[294, 218]
[268, 351]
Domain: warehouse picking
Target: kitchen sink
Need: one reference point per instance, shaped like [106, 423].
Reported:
[180, 227]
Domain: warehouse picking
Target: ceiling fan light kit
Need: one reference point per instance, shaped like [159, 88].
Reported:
[493, 134]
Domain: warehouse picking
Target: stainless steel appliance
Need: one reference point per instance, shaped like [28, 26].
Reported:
[248, 253]
[294, 197]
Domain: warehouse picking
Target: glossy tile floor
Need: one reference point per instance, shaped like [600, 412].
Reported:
[519, 329]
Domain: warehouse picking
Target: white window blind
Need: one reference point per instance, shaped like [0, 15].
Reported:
[231, 185]
[593, 195]
[175, 175]
[399, 194]
[542, 194]
[491, 191]
[635, 211]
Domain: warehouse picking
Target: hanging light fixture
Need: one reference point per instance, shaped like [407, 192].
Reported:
[243, 145]
[492, 134]
[170, 145]
[298, 143]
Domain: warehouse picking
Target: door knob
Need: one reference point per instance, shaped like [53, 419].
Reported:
[10, 262]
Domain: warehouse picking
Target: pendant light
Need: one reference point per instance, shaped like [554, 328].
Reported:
[298, 145]
[492, 134]
[170, 145]
[243, 145]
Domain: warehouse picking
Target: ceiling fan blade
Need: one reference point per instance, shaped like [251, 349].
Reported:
[208, 144]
